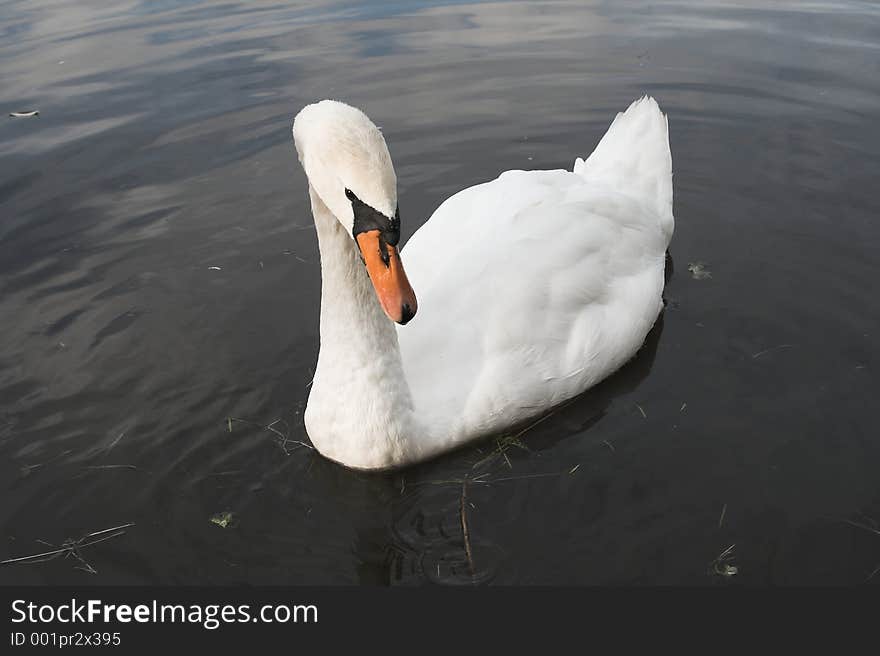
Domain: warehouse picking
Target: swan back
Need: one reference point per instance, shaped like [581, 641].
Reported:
[557, 286]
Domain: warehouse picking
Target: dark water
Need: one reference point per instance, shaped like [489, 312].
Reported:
[163, 149]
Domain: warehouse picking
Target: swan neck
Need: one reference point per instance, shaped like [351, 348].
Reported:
[360, 408]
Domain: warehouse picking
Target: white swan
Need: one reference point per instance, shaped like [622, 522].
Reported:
[532, 287]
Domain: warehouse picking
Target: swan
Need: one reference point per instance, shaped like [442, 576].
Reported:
[532, 287]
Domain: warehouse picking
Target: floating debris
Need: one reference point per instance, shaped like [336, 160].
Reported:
[721, 519]
[223, 520]
[699, 271]
[870, 529]
[644, 414]
[214, 268]
[282, 441]
[466, 537]
[774, 348]
[27, 469]
[721, 565]
[71, 548]
[24, 114]
[132, 467]
[116, 441]
[503, 444]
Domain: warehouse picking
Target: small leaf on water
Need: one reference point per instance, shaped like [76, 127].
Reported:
[222, 519]
[699, 271]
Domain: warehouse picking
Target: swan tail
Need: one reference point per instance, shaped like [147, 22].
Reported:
[634, 155]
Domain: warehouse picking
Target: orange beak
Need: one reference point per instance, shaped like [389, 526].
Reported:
[388, 277]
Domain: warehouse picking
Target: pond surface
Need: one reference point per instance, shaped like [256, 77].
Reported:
[159, 291]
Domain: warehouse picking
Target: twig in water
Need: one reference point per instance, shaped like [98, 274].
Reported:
[488, 481]
[545, 417]
[72, 547]
[271, 427]
[502, 444]
[609, 445]
[464, 527]
[230, 472]
[27, 469]
[285, 440]
[644, 416]
[84, 565]
[513, 440]
[574, 469]
[455, 481]
[517, 478]
[862, 526]
[111, 467]
[723, 512]
[870, 529]
[116, 441]
[772, 348]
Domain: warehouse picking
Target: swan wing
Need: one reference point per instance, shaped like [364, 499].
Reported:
[536, 285]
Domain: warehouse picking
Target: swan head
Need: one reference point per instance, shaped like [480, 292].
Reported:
[348, 165]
